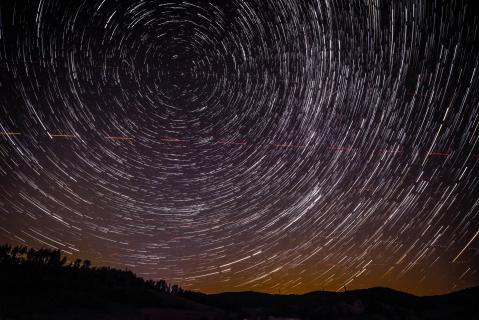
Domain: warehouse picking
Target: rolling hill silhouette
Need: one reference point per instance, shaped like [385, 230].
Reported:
[41, 284]
[374, 303]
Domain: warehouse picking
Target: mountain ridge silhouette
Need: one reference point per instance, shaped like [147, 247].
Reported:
[41, 284]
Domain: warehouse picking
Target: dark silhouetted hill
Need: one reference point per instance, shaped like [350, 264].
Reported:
[374, 303]
[41, 284]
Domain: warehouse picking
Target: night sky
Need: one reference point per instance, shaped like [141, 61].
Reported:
[268, 145]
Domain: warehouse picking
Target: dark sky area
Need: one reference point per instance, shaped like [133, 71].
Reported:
[269, 145]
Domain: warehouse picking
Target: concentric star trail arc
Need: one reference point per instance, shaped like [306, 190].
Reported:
[271, 145]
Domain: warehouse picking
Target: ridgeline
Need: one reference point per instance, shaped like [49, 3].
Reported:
[42, 284]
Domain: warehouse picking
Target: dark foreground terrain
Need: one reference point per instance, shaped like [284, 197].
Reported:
[40, 284]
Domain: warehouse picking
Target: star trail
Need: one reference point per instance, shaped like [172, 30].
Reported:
[268, 145]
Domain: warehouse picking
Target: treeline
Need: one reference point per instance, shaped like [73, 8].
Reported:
[43, 279]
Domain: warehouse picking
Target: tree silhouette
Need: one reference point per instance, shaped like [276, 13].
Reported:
[37, 279]
[86, 264]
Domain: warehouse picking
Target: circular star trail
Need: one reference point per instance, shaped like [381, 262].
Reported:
[246, 145]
